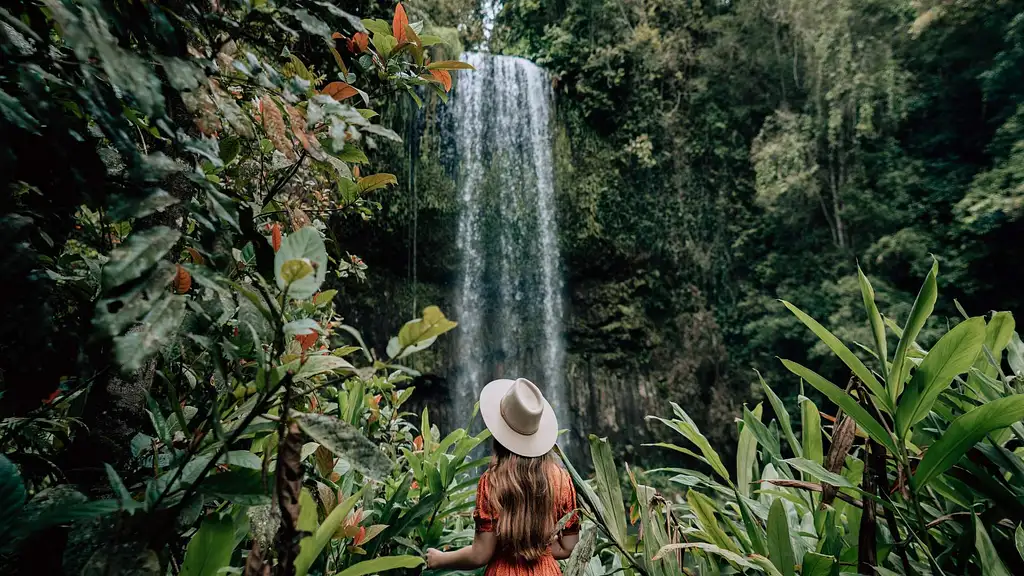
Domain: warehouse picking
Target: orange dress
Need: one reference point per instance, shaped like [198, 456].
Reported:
[486, 520]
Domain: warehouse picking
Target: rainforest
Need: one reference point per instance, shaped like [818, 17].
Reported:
[761, 256]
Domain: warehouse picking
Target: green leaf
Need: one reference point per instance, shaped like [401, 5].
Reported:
[765, 438]
[819, 473]
[156, 328]
[815, 564]
[608, 487]
[318, 364]
[746, 455]
[211, 547]
[953, 354]
[965, 432]
[732, 557]
[294, 270]
[348, 442]
[229, 149]
[754, 530]
[324, 298]
[304, 243]
[782, 415]
[140, 252]
[381, 564]
[923, 306]
[1018, 539]
[704, 509]
[312, 546]
[874, 319]
[688, 429]
[12, 493]
[377, 26]
[847, 403]
[450, 65]
[780, 549]
[352, 154]
[244, 487]
[998, 333]
[847, 356]
[991, 564]
[376, 182]
[431, 325]
[810, 430]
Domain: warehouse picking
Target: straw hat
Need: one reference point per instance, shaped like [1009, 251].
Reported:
[519, 417]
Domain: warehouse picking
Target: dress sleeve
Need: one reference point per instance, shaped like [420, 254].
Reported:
[482, 513]
[568, 504]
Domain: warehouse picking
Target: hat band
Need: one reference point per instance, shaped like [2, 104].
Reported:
[517, 429]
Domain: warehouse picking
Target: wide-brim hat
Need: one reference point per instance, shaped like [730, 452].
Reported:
[519, 417]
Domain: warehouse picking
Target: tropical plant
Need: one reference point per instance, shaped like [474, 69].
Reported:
[923, 472]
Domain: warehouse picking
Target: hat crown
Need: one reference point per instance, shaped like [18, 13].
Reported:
[522, 407]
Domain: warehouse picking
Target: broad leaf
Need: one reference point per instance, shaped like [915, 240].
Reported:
[953, 354]
[608, 487]
[815, 564]
[810, 430]
[450, 65]
[312, 546]
[348, 442]
[156, 328]
[12, 493]
[874, 319]
[432, 324]
[211, 547]
[991, 564]
[746, 456]
[998, 334]
[923, 306]
[780, 548]
[764, 437]
[844, 354]
[376, 182]
[581, 554]
[381, 564]
[732, 557]
[965, 432]
[704, 509]
[304, 243]
[1018, 539]
[847, 403]
[140, 252]
[244, 487]
[819, 473]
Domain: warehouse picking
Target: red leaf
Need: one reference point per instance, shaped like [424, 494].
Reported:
[399, 23]
[362, 41]
[417, 443]
[444, 78]
[49, 399]
[182, 281]
[359, 536]
[339, 91]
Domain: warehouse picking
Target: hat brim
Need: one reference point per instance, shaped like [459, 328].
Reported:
[530, 446]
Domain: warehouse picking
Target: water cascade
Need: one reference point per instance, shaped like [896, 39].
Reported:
[508, 299]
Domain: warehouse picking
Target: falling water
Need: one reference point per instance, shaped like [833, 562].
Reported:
[509, 296]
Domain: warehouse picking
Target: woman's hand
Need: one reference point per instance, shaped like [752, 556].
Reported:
[434, 557]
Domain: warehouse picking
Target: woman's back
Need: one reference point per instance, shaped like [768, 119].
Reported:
[506, 561]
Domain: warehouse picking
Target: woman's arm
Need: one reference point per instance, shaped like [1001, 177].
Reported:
[562, 547]
[469, 558]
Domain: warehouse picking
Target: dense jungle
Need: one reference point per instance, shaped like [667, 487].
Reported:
[761, 255]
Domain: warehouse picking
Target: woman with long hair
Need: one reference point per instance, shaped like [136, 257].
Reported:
[523, 496]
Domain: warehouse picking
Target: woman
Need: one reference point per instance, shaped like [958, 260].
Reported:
[524, 493]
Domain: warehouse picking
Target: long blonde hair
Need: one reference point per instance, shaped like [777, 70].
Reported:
[522, 496]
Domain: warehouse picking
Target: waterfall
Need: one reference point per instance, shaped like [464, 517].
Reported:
[509, 302]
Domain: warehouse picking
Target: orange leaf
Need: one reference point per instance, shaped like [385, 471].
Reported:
[399, 23]
[417, 443]
[362, 40]
[339, 91]
[337, 35]
[182, 281]
[306, 341]
[275, 236]
[197, 258]
[359, 536]
[444, 78]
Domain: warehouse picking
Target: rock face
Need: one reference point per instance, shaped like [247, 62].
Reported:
[609, 337]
